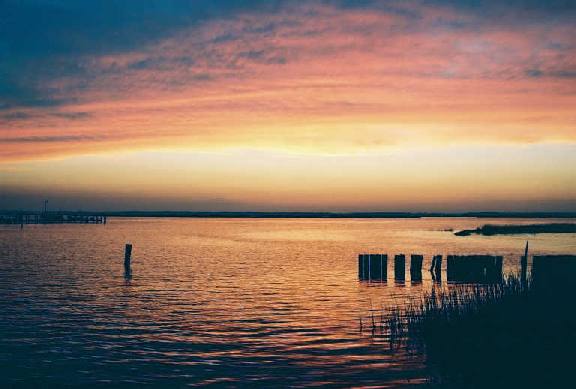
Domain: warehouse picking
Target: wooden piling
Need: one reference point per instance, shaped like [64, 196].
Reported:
[474, 268]
[450, 267]
[493, 269]
[499, 266]
[361, 266]
[438, 268]
[127, 258]
[416, 267]
[524, 266]
[384, 267]
[399, 267]
[433, 264]
[554, 273]
[376, 267]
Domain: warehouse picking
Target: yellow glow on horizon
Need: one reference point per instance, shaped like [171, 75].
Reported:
[443, 177]
[349, 108]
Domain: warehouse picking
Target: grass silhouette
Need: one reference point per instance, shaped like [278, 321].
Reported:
[510, 334]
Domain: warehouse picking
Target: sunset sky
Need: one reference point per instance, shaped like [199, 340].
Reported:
[438, 105]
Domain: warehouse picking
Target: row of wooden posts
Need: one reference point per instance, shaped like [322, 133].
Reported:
[375, 266]
[550, 271]
[547, 270]
[460, 268]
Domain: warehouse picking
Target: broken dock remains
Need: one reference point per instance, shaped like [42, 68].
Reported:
[474, 268]
[553, 273]
[373, 267]
[459, 268]
[400, 267]
[416, 267]
[549, 272]
[436, 268]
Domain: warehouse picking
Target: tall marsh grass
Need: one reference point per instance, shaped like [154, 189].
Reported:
[441, 306]
[498, 335]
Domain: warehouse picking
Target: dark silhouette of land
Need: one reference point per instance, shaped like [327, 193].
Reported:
[490, 229]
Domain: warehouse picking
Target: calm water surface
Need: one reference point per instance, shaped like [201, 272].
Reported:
[232, 302]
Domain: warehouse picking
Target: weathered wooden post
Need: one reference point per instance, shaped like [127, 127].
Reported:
[384, 267]
[454, 267]
[361, 266]
[368, 270]
[432, 264]
[416, 267]
[524, 265]
[475, 268]
[499, 268]
[554, 274]
[438, 267]
[493, 269]
[376, 267]
[399, 267]
[127, 258]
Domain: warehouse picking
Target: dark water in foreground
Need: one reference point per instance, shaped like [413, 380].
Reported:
[213, 301]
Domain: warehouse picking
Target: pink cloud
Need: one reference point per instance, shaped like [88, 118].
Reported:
[317, 78]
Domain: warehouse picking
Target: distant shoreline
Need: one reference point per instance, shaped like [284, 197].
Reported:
[308, 215]
[490, 230]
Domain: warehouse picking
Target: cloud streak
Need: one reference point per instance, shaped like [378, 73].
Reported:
[50, 139]
[333, 76]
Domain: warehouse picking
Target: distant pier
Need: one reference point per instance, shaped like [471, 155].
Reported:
[51, 218]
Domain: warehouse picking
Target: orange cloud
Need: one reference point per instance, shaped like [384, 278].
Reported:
[318, 79]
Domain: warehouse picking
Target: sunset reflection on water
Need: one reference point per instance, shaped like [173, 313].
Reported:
[219, 301]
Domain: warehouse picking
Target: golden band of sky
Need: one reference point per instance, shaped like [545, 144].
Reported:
[314, 107]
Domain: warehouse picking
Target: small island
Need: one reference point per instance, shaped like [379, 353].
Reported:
[491, 229]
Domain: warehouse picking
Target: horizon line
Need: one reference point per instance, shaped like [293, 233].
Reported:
[308, 214]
